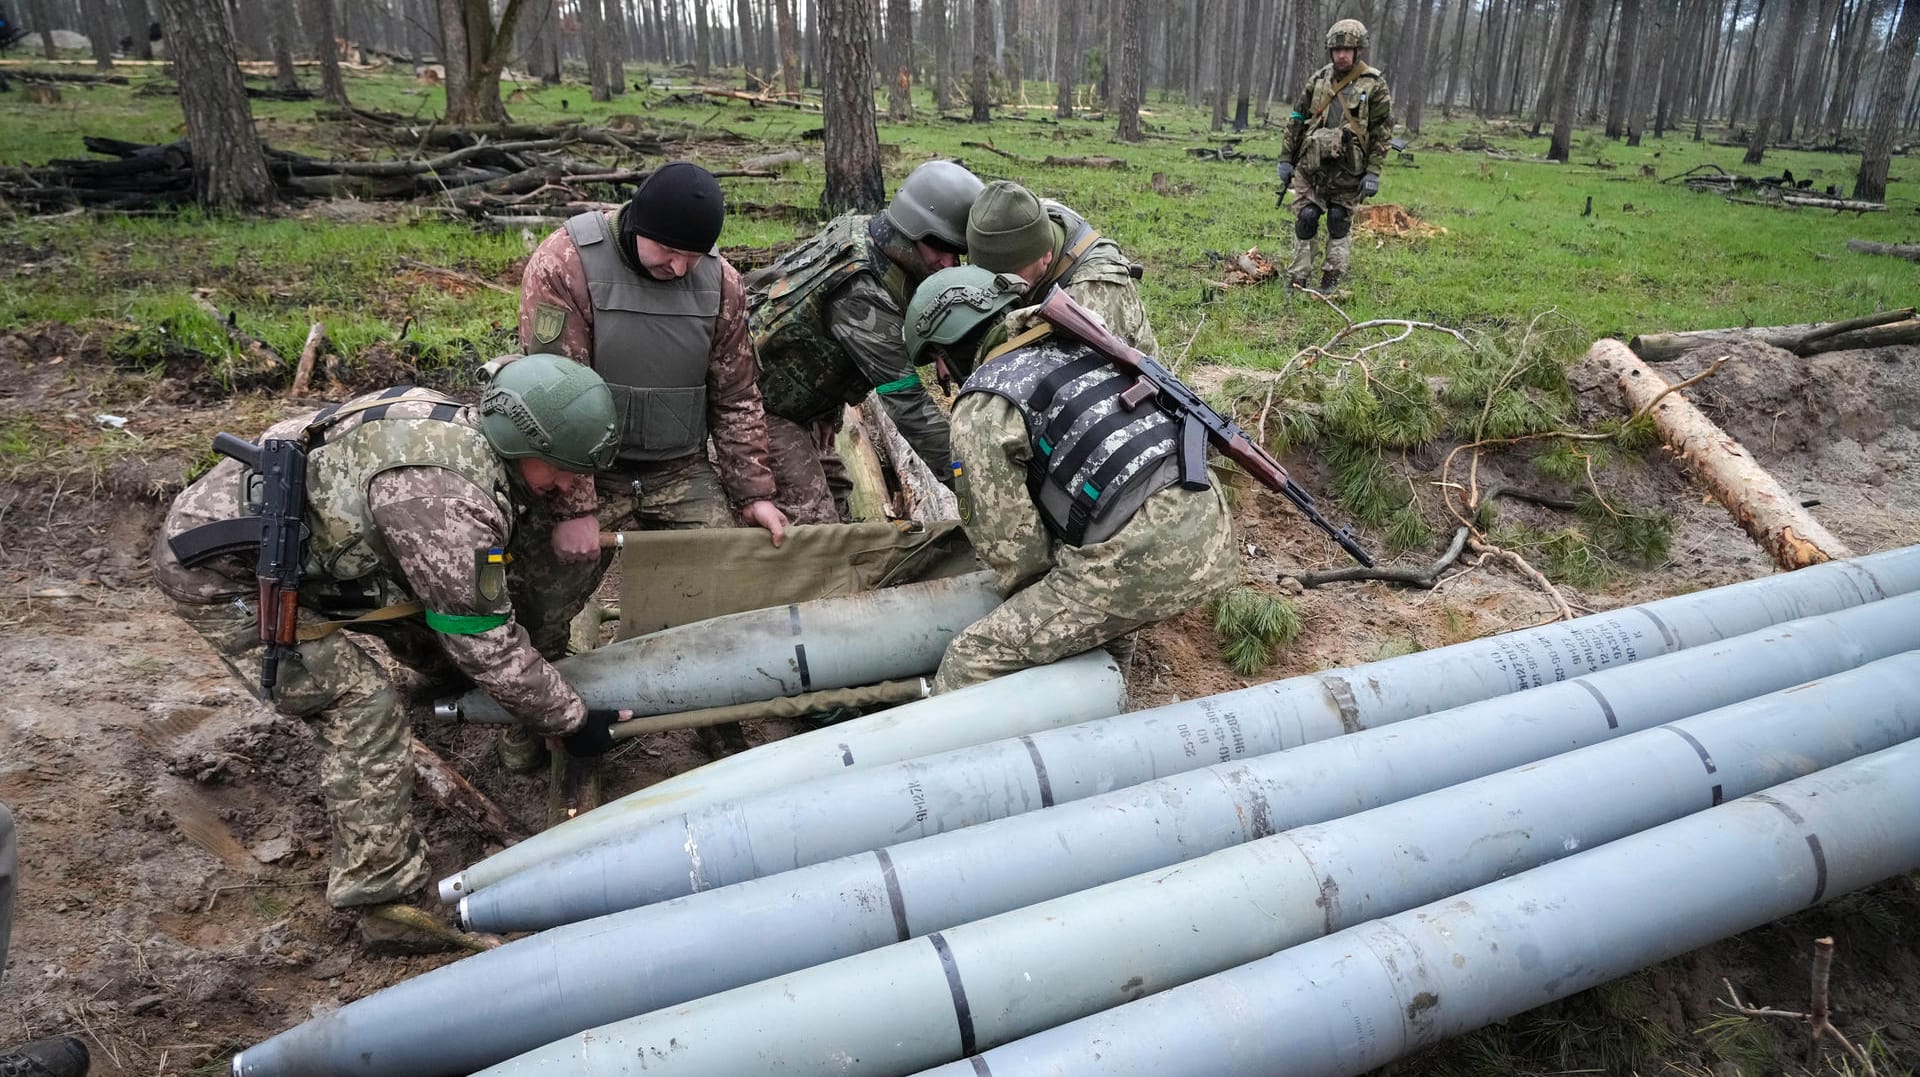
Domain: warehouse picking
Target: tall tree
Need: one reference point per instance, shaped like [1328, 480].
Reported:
[475, 50]
[42, 15]
[1459, 53]
[851, 143]
[325, 40]
[1309, 46]
[1013, 61]
[1844, 82]
[900, 59]
[935, 20]
[1543, 107]
[284, 76]
[789, 47]
[1626, 48]
[702, 41]
[1871, 182]
[981, 96]
[594, 42]
[1130, 26]
[1774, 96]
[743, 37]
[1579, 28]
[1243, 64]
[1227, 28]
[229, 164]
[1420, 62]
[135, 17]
[1066, 55]
[1812, 61]
[99, 26]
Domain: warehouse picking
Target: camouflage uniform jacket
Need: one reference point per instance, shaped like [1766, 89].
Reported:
[429, 531]
[1099, 279]
[555, 279]
[1364, 115]
[857, 344]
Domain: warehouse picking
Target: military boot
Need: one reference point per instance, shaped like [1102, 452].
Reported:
[520, 750]
[1329, 279]
[61, 1056]
[1302, 264]
[1339, 254]
[399, 928]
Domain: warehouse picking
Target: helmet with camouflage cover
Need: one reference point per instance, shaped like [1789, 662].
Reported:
[550, 407]
[1347, 34]
[954, 302]
[934, 200]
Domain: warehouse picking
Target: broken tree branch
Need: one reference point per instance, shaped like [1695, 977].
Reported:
[303, 374]
[1424, 578]
[1818, 1019]
[454, 793]
[1894, 327]
[1909, 251]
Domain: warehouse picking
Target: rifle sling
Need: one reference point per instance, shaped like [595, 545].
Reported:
[1358, 69]
[384, 613]
[1038, 332]
[1070, 257]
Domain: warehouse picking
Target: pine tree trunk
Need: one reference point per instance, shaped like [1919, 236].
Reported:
[1579, 28]
[1130, 34]
[1243, 64]
[593, 40]
[1543, 105]
[42, 15]
[1066, 55]
[702, 41]
[1775, 80]
[1870, 185]
[851, 144]
[1866, 15]
[325, 38]
[1309, 41]
[1422, 63]
[1742, 102]
[475, 52]
[229, 165]
[1459, 50]
[1813, 60]
[980, 92]
[284, 76]
[134, 14]
[93, 14]
[1013, 61]
[1625, 59]
[1227, 29]
[810, 42]
[789, 47]
[900, 60]
[1516, 74]
[743, 38]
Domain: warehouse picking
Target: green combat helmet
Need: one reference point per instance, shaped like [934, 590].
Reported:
[934, 200]
[1347, 34]
[954, 302]
[551, 407]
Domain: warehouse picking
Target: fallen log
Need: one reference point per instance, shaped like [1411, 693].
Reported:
[1909, 251]
[1873, 330]
[261, 352]
[1095, 161]
[1759, 504]
[447, 788]
[1845, 205]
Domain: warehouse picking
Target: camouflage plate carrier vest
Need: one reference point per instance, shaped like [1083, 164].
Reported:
[342, 463]
[804, 372]
[1094, 462]
[1336, 138]
[1098, 258]
[651, 341]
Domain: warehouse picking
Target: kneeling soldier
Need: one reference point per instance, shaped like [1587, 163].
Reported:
[1069, 497]
[405, 530]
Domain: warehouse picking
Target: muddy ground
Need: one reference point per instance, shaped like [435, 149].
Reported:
[173, 841]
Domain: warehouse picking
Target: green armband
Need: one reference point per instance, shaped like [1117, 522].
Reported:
[460, 624]
[1297, 115]
[900, 385]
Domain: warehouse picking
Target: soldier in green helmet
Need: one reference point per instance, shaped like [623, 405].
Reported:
[414, 513]
[1337, 139]
[825, 320]
[1071, 499]
[1012, 230]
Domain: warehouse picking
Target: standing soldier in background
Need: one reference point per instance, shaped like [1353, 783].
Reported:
[1336, 141]
[1074, 501]
[826, 325]
[418, 516]
[642, 296]
[1044, 243]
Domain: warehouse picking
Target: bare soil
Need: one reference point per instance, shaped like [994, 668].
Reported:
[173, 843]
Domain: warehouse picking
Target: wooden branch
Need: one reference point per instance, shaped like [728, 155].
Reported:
[1844, 205]
[303, 374]
[1525, 569]
[991, 148]
[1094, 161]
[1819, 1015]
[1909, 251]
[1800, 339]
[454, 793]
[1424, 578]
[260, 350]
[457, 275]
[1759, 504]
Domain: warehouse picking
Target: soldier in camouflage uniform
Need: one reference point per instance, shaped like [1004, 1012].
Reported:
[1044, 243]
[1070, 499]
[1336, 141]
[415, 507]
[826, 325]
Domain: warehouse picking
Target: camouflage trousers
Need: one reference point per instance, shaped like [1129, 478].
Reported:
[366, 762]
[1176, 553]
[810, 478]
[671, 494]
[9, 868]
[1344, 192]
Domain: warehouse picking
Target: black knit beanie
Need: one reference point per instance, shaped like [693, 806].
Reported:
[679, 206]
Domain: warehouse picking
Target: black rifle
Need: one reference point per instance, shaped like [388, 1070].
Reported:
[275, 527]
[1199, 423]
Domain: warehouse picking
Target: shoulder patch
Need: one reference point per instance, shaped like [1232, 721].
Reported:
[549, 321]
[490, 572]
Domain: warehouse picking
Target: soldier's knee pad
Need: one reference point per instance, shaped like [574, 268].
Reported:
[1306, 222]
[1339, 222]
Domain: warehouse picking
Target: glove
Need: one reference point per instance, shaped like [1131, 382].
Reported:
[1370, 184]
[1285, 171]
[594, 738]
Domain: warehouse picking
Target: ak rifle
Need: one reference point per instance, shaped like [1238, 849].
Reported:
[1197, 418]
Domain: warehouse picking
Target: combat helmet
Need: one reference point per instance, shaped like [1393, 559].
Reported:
[934, 200]
[551, 407]
[954, 302]
[1347, 34]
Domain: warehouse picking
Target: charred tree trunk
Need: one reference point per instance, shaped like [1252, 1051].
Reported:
[1775, 78]
[1579, 28]
[229, 165]
[900, 59]
[1871, 182]
[980, 95]
[1130, 33]
[1066, 55]
[851, 142]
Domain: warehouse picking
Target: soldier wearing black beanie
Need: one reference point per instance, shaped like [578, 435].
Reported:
[680, 207]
